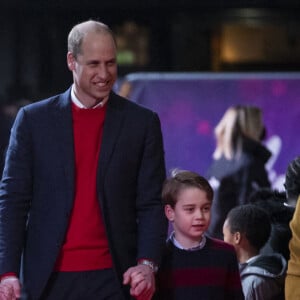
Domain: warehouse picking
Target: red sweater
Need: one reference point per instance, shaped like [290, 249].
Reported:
[86, 245]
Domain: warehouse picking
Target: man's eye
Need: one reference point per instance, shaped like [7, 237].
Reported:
[92, 64]
[189, 209]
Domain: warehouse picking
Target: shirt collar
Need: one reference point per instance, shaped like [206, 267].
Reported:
[77, 102]
[179, 246]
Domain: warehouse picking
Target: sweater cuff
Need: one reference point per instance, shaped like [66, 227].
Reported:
[8, 274]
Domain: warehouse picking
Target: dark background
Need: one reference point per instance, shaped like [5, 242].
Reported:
[183, 36]
[208, 38]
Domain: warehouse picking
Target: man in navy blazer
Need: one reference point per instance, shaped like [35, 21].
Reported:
[39, 184]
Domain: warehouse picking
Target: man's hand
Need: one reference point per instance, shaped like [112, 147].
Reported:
[10, 288]
[141, 280]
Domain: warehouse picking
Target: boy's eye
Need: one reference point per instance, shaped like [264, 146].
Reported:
[206, 209]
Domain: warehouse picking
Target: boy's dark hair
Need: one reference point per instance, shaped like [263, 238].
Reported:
[252, 221]
[181, 179]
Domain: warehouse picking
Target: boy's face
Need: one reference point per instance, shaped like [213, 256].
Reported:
[235, 239]
[190, 217]
[228, 236]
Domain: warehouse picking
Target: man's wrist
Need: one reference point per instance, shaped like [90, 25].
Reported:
[8, 275]
[152, 265]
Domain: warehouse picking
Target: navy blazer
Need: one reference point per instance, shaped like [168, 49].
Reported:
[37, 188]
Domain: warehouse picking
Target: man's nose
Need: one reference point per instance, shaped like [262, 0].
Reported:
[102, 71]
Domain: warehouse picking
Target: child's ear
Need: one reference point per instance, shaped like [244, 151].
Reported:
[237, 237]
[169, 212]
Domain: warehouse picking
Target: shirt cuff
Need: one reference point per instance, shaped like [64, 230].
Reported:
[148, 263]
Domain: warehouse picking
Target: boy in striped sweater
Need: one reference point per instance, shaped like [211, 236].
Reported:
[194, 266]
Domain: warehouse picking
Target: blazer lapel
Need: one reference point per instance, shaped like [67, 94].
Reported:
[112, 126]
[64, 131]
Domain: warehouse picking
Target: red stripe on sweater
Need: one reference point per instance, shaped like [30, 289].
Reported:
[216, 277]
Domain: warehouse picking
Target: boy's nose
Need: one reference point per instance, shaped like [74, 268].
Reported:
[199, 213]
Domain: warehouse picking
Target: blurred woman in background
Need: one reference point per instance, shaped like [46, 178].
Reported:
[238, 166]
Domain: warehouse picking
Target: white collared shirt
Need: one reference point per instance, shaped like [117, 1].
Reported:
[77, 102]
[179, 246]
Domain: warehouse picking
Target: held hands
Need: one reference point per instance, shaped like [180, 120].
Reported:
[141, 280]
[10, 288]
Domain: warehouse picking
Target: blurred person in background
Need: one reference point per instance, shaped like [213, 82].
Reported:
[292, 186]
[8, 113]
[292, 181]
[5, 125]
[292, 282]
[280, 213]
[239, 160]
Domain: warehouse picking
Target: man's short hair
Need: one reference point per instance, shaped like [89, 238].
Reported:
[79, 31]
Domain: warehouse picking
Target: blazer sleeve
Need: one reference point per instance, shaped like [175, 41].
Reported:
[15, 195]
[152, 224]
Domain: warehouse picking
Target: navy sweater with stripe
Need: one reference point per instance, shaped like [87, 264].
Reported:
[208, 273]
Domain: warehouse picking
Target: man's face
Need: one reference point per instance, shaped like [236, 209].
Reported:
[94, 69]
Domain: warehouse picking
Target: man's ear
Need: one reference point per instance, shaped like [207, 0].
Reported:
[169, 212]
[71, 61]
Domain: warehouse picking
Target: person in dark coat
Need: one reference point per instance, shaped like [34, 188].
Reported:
[280, 214]
[292, 184]
[239, 162]
[80, 197]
